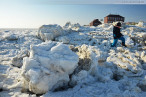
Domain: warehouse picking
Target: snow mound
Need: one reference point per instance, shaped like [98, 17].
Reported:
[49, 32]
[48, 67]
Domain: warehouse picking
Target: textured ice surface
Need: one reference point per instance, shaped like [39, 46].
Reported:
[141, 24]
[48, 67]
[49, 32]
[102, 71]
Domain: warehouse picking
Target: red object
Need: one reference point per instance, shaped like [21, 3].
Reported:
[113, 18]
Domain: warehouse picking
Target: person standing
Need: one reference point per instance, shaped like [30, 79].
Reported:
[117, 35]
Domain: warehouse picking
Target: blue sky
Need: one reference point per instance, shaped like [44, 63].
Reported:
[34, 13]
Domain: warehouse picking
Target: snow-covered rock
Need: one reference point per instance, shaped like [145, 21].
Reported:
[48, 67]
[49, 32]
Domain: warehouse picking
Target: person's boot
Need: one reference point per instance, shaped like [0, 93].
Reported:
[123, 44]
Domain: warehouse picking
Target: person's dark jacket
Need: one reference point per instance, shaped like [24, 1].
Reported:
[116, 32]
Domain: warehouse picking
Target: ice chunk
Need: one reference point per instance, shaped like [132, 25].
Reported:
[126, 63]
[10, 37]
[18, 59]
[63, 39]
[76, 79]
[49, 32]
[141, 24]
[48, 67]
[128, 41]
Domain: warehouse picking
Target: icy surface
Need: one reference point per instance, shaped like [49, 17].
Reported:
[80, 63]
[48, 67]
[141, 24]
[49, 32]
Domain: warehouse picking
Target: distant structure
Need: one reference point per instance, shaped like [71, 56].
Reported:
[95, 22]
[113, 18]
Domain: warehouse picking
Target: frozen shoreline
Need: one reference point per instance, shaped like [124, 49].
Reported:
[103, 71]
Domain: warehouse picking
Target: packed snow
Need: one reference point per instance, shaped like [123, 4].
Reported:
[73, 61]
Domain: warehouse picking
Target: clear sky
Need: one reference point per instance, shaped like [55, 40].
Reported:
[34, 13]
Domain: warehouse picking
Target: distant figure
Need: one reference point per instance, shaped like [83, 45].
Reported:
[117, 35]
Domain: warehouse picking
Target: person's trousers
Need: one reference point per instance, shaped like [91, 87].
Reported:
[116, 40]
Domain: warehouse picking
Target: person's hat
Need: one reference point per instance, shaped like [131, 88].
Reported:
[119, 24]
